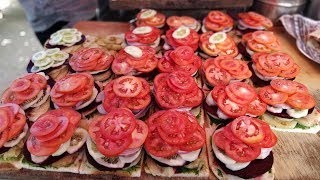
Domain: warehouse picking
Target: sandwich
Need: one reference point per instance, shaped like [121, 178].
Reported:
[144, 36]
[31, 93]
[180, 59]
[135, 60]
[217, 21]
[13, 132]
[252, 21]
[55, 142]
[128, 92]
[176, 21]
[181, 36]
[242, 149]
[268, 66]
[290, 107]
[216, 44]
[96, 61]
[115, 144]
[175, 145]
[150, 17]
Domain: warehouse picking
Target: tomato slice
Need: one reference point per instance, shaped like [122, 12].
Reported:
[195, 141]
[154, 119]
[229, 64]
[127, 86]
[216, 76]
[71, 83]
[112, 101]
[64, 137]
[130, 37]
[139, 134]
[3, 137]
[44, 125]
[205, 36]
[301, 101]
[285, 86]
[171, 122]
[243, 69]
[257, 107]
[246, 37]
[19, 85]
[181, 82]
[215, 27]
[300, 87]
[281, 60]
[219, 139]
[62, 102]
[187, 20]
[241, 152]
[270, 138]
[182, 55]
[209, 49]
[149, 66]
[160, 79]
[30, 93]
[174, 21]
[37, 79]
[4, 120]
[251, 22]
[263, 37]
[62, 127]
[80, 95]
[118, 124]
[267, 65]
[166, 65]
[36, 148]
[216, 16]
[167, 98]
[158, 147]
[138, 103]
[192, 68]
[247, 129]
[272, 96]
[217, 91]
[10, 97]
[292, 72]
[157, 20]
[72, 115]
[17, 126]
[229, 134]
[231, 108]
[241, 92]
[274, 46]
[192, 99]
[121, 66]
[263, 71]
[257, 47]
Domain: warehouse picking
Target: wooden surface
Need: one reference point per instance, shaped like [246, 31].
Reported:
[178, 4]
[297, 156]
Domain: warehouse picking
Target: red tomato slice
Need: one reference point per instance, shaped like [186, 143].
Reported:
[160, 80]
[62, 127]
[285, 86]
[84, 94]
[158, 147]
[263, 37]
[171, 122]
[154, 119]
[241, 92]
[233, 51]
[265, 72]
[266, 65]
[112, 101]
[181, 82]
[145, 88]
[193, 100]
[3, 137]
[73, 116]
[139, 134]
[17, 126]
[71, 83]
[227, 132]
[217, 91]
[292, 72]
[263, 20]
[130, 37]
[138, 103]
[274, 46]
[247, 129]
[36, 148]
[229, 64]
[174, 21]
[208, 49]
[166, 65]
[205, 36]
[270, 138]
[281, 60]
[215, 27]
[300, 87]
[182, 55]
[120, 66]
[257, 47]
[10, 97]
[195, 141]
[241, 152]
[44, 125]
[187, 20]
[207, 63]
[62, 102]
[272, 96]
[251, 22]
[149, 66]
[231, 108]
[257, 107]
[227, 44]
[4, 120]
[94, 127]
[246, 37]
[158, 20]
[216, 76]
[190, 69]
[19, 85]
[301, 101]
[217, 16]
[37, 79]
[168, 98]
[243, 69]
[219, 139]
[117, 124]
[112, 148]
[30, 93]
[127, 86]
[104, 62]
[64, 137]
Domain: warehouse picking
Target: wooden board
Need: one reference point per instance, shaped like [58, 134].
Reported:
[181, 4]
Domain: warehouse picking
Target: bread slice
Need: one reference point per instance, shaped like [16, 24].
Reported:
[11, 160]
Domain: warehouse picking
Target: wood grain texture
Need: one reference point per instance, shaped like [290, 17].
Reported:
[180, 4]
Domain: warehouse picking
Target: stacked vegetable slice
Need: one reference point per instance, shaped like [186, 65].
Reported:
[177, 21]
[253, 20]
[261, 41]
[182, 36]
[65, 38]
[150, 17]
[143, 35]
[217, 21]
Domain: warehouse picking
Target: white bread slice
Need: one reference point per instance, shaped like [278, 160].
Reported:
[11, 160]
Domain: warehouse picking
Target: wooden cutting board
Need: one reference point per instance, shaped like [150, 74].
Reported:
[297, 156]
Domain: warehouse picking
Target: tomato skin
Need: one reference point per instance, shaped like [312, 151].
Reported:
[4, 120]
[216, 76]
[257, 107]
[19, 85]
[121, 89]
[282, 85]
[230, 108]
[301, 101]
[3, 137]
[60, 129]
[17, 126]
[219, 138]
[271, 96]
[240, 92]
[139, 134]
[36, 148]
[44, 125]
[29, 93]
[112, 148]
[241, 152]
[270, 138]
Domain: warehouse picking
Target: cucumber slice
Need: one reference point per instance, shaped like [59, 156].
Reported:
[181, 32]
[53, 51]
[38, 56]
[43, 62]
[60, 56]
[56, 39]
[70, 39]
[148, 14]
[142, 30]
[279, 124]
[133, 51]
[218, 37]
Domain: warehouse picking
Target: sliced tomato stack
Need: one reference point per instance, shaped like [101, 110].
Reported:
[177, 21]
[24, 89]
[90, 59]
[180, 59]
[215, 44]
[176, 90]
[12, 122]
[127, 62]
[72, 90]
[243, 138]
[218, 21]
[275, 64]
[171, 131]
[191, 39]
[127, 92]
[223, 69]
[254, 20]
[237, 99]
[148, 37]
[52, 129]
[150, 17]
[261, 41]
[117, 131]
[281, 91]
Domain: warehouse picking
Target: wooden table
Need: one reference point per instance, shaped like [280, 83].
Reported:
[297, 156]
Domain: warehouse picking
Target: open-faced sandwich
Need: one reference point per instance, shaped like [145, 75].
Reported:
[13, 130]
[177, 90]
[217, 21]
[68, 40]
[55, 142]
[150, 17]
[31, 93]
[223, 70]
[125, 92]
[290, 107]
[181, 36]
[76, 91]
[242, 150]
[216, 44]
[268, 66]
[176, 145]
[252, 21]
[144, 36]
[237, 99]
[115, 144]
[135, 60]
[177, 21]
[180, 59]
[96, 61]
[258, 41]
